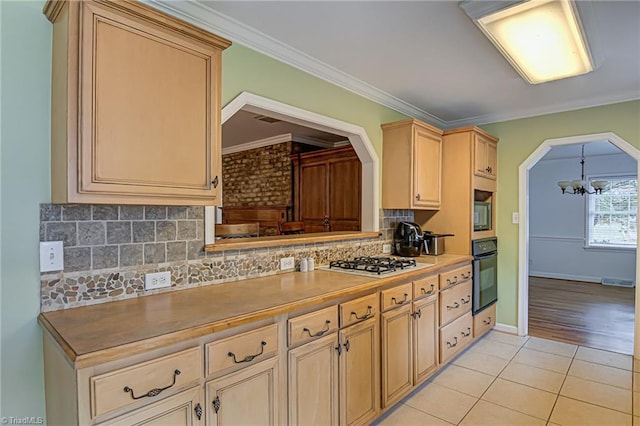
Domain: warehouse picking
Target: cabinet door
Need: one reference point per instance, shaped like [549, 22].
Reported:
[345, 183]
[149, 112]
[485, 154]
[425, 329]
[313, 198]
[247, 397]
[359, 373]
[184, 408]
[427, 165]
[492, 160]
[397, 354]
[313, 382]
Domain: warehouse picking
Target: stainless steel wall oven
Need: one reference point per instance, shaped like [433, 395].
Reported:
[485, 273]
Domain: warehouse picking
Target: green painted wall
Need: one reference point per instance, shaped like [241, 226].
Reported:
[25, 82]
[244, 70]
[518, 139]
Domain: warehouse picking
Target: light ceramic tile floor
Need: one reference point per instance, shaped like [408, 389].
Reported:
[504, 380]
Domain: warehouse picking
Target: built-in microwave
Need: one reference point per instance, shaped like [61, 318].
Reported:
[481, 216]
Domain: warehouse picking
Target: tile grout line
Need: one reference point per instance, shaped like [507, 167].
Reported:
[491, 384]
[562, 385]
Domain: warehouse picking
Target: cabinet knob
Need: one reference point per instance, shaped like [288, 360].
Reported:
[418, 197]
[215, 182]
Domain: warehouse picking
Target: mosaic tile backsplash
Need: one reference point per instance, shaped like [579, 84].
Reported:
[108, 249]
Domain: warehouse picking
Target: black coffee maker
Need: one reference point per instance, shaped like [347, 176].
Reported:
[408, 239]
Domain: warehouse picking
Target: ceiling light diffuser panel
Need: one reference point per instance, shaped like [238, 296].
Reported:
[542, 39]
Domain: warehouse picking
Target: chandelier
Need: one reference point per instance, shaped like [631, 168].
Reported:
[578, 185]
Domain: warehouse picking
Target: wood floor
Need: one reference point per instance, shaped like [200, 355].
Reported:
[587, 314]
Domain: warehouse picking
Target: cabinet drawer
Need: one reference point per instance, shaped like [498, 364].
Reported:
[312, 325]
[117, 389]
[396, 296]
[455, 276]
[455, 336]
[454, 302]
[242, 349]
[358, 310]
[484, 321]
[425, 286]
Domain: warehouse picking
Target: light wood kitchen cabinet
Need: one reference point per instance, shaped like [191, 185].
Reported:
[485, 156]
[135, 106]
[327, 190]
[314, 382]
[334, 379]
[469, 171]
[359, 373]
[425, 338]
[484, 321]
[397, 354]
[411, 165]
[246, 397]
[455, 336]
[183, 409]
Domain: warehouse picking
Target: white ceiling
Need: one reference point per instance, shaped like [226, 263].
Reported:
[425, 58]
[574, 151]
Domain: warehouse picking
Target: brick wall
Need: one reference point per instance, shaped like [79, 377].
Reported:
[257, 177]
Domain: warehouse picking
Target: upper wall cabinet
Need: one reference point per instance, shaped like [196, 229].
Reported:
[135, 106]
[486, 156]
[411, 165]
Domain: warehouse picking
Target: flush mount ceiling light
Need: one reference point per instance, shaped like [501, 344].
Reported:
[578, 185]
[542, 39]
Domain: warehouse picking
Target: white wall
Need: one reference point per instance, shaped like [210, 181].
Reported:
[557, 223]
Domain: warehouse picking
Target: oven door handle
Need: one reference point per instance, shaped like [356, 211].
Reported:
[485, 256]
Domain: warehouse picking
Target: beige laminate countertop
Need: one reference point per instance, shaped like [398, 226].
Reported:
[98, 333]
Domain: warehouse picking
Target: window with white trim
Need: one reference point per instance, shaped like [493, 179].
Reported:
[612, 216]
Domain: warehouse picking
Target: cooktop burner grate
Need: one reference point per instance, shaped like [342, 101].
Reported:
[374, 265]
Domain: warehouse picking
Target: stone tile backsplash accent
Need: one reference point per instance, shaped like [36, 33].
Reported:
[109, 249]
[107, 236]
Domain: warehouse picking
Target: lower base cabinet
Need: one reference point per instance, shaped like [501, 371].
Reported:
[334, 380]
[246, 397]
[182, 409]
[359, 373]
[314, 382]
[425, 332]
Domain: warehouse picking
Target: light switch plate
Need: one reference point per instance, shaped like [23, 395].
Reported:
[51, 256]
[386, 248]
[515, 217]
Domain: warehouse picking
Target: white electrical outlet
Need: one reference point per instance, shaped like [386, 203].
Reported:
[51, 256]
[156, 280]
[386, 248]
[287, 263]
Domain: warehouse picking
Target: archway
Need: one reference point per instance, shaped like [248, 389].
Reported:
[356, 135]
[523, 229]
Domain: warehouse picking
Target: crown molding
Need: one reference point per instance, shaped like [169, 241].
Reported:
[203, 16]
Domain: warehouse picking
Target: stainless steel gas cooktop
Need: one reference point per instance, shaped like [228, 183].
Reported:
[375, 267]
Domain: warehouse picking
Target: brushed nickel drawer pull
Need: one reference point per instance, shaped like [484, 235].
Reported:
[487, 321]
[393, 299]
[455, 280]
[455, 305]
[365, 316]
[155, 391]
[464, 302]
[467, 334]
[248, 358]
[427, 292]
[466, 277]
[454, 344]
[319, 333]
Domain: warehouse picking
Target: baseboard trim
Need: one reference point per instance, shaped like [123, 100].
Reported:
[505, 328]
[586, 278]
